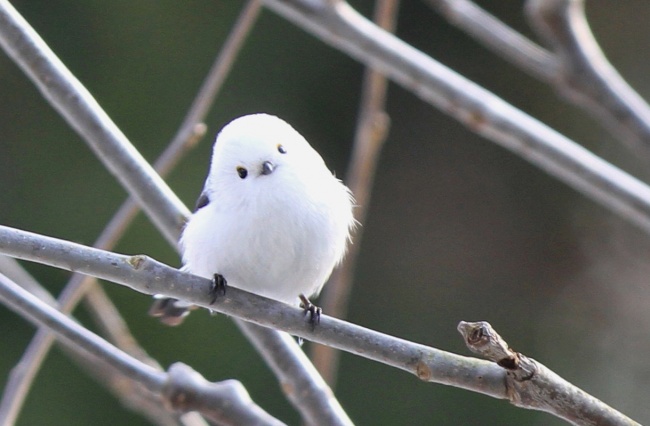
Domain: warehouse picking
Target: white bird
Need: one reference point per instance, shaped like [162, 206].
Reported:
[272, 219]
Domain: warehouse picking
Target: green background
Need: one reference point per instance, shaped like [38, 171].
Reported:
[458, 228]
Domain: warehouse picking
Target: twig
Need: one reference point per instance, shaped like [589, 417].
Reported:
[372, 129]
[26, 304]
[585, 75]
[322, 408]
[225, 402]
[576, 67]
[336, 23]
[532, 385]
[71, 99]
[146, 275]
[498, 37]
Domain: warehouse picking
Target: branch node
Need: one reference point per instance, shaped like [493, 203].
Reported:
[136, 261]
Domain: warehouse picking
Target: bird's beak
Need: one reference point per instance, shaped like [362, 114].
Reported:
[267, 168]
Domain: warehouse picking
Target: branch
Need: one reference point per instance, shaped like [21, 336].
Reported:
[577, 67]
[336, 23]
[498, 37]
[148, 276]
[71, 99]
[225, 403]
[372, 129]
[585, 75]
[532, 385]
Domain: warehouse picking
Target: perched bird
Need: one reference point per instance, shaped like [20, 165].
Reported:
[272, 219]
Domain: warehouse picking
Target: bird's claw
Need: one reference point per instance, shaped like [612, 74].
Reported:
[312, 310]
[219, 286]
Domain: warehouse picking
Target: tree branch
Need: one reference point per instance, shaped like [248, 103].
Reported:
[585, 75]
[77, 106]
[373, 124]
[146, 275]
[577, 68]
[225, 403]
[337, 24]
[532, 385]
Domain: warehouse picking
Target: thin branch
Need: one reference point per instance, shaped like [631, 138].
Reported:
[576, 67]
[498, 37]
[29, 306]
[130, 393]
[372, 129]
[146, 275]
[24, 373]
[225, 403]
[336, 23]
[220, 68]
[586, 76]
[71, 99]
[322, 408]
[531, 384]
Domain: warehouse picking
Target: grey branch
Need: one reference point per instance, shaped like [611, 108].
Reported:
[146, 275]
[71, 99]
[576, 67]
[373, 124]
[225, 403]
[585, 75]
[532, 385]
[337, 24]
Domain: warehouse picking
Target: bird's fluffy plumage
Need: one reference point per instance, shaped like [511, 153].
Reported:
[276, 221]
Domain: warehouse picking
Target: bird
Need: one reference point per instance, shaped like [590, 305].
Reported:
[271, 219]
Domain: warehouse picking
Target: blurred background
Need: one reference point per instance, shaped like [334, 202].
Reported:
[458, 228]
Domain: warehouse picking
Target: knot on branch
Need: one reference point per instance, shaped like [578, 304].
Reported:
[483, 340]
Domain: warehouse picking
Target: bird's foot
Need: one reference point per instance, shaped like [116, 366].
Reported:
[311, 310]
[219, 286]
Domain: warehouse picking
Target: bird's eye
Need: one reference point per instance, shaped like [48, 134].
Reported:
[282, 149]
[242, 172]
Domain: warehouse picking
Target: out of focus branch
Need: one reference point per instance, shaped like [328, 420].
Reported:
[585, 75]
[532, 385]
[576, 66]
[182, 388]
[373, 124]
[336, 23]
[71, 99]
[148, 276]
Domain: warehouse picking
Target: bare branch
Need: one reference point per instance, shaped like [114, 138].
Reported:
[372, 129]
[26, 304]
[71, 99]
[225, 403]
[585, 75]
[498, 37]
[336, 23]
[148, 276]
[321, 407]
[532, 385]
[577, 67]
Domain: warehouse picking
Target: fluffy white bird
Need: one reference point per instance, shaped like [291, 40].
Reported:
[272, 219]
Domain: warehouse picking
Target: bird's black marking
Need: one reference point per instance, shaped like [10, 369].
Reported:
[219, 285]
[203, 201]
[312, 310]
